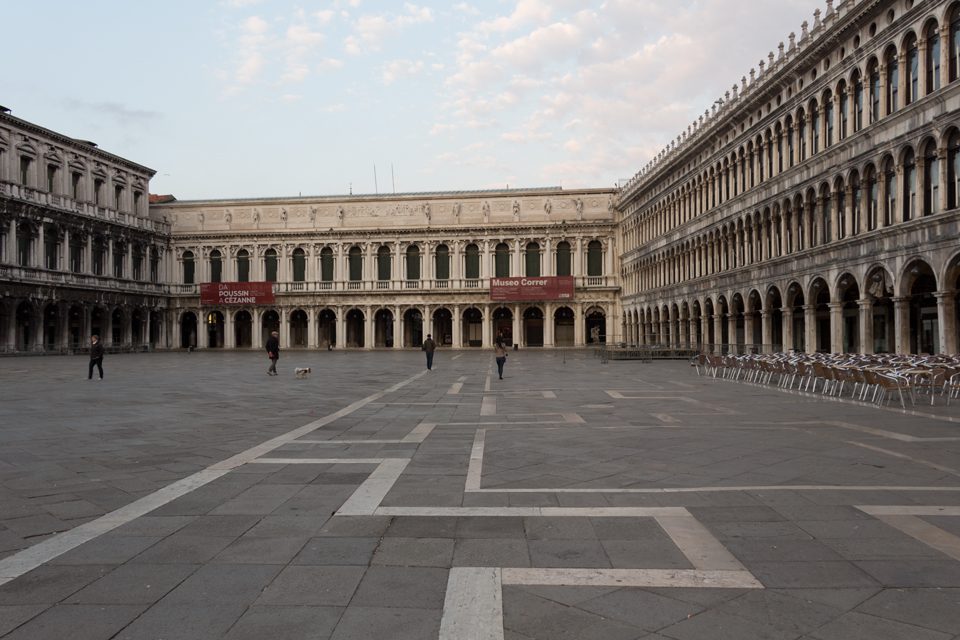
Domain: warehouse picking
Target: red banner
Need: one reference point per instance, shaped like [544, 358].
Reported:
[221, 293]
[546, 288]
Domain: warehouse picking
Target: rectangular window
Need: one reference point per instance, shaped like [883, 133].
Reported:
[50, 250]
[76, 257]
[52, 178]
[97, 191]
[472, 263]
[118, 262]
[117, 197]
[75, 179]
[137, 197]
[25, 163]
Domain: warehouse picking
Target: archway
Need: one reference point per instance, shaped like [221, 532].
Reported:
[412, 328]
[596, 326]
[154, 328]
[711, 335]
[879, 289]
[798, 324]
[298, 328]
[697, 329]
[75, 326]
[472, 328]
[383, 328]
[443, 327]
[188, 330]
[51, 327]
[739, 329]
[920, 284]
[533, 327]
[215, 325]
[327, 325]
[753, 323]
[821, 300]
[269, 322]
[117, 324]
[355, 325]
[243, 329]
[774, 309]
[848, 292]
[503, 325]
[564, 334]
[137, 325]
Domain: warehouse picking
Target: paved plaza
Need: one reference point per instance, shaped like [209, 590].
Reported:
[192, 496]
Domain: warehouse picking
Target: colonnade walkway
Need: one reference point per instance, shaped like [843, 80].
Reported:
[189, 495]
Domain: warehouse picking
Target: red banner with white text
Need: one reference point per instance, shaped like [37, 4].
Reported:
[526, 289]
[225, 293]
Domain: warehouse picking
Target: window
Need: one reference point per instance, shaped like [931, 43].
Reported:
[355, 258]
[873, 73]
[893, 81]
[216, 266]
[828, 116]
[802, 135]
[563, 259]
[873, 195]
[955, 44]
[502, 261]
[856, 205]
[119, 253]
[913, 70]
[790, 141]
[25, 164]
[326, 264]
[909, 186]
[24, 242]
[442, 259]
[189, 268]
[137, 263]
[857, 103]
[50, 249]
[383, 264]
[117, 196]
[595, 258]
[413, 262]
[933, 58]
[76, 256]
[472, 259]
[814, 128]
[75, 182]
[270, 264]
[931, 180]
[100, 255]
[52, 178]
[532, 260]
[953, 170]
[299, 265]
[137, 201]
[844, 106]
[243, 266]
[840, 201]
[890, 186]
[154, 265]
[825, 207]
[97, 191]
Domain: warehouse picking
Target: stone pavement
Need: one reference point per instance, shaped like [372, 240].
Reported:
[192, 496]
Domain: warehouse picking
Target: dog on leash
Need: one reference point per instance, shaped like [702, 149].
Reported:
[302, 372]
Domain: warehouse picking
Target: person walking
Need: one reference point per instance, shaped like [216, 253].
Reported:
[429, 346]
[500, 352]
[96, 357]
[273, 352]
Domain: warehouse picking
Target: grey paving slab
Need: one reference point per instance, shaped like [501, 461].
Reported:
[134, 584]
[414, 552]
[858, 626]
[50, 584]
[384, 623]
[78, 621]
[183, 621]
[312, 585]
[491, 552]
[12, 616]
[275, 550]
[403, 587]
[293, 623]
[337, 551]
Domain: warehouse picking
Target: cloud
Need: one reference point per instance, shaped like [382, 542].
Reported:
[371, 30]
[396, 69]
[118, 112]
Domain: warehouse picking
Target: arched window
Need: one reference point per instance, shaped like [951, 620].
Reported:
[890, 187]
[873, 73]
[840, 202]
[189, 268]
[778, 133]
[299, 265]
[769, 154]
[857, 102]
[759, 149]
[933, 57]
[472, 262]
[595, 258]
[802, 135]
[856, 206]
[326, 264]
[844, 106]
[216, 266]
[790, 156]
[442, 262]
[355, 260]
[532, 260]
[931, 179]
[913, 69]
[501, 261]
[120, 252]
[873, 196]
[383, 264]
[243, 266]
[893, 80]
[814, 128]
[909, 186]
[563, 259]
[955, 44]
[270, 265]
[953, 170]
[828, 113]
[413, 262]
[825, 207]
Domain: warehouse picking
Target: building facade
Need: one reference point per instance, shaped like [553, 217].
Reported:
[384, 271]
[80, 253]
[815, 207]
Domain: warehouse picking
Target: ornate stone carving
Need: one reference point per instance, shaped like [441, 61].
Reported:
[516, 210]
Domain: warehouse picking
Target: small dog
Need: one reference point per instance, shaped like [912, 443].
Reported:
[302, 372]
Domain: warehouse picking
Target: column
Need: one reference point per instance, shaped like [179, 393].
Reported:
[368, 327]
[397, 328]
[901, 314]
[457, 327]
[748, 330]
[836, 327]
[786, 328]
[487, 327]
[518, 337]
[312, 328]
[717, 331]
[810, 327]
[866, 325]
[548, 337]
[766, 331]
[37, 259]
[947, 320]
[229, 336]
[341, 337]
[732, 333]
[578, 323]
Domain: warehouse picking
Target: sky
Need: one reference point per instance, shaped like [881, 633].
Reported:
[273, 98]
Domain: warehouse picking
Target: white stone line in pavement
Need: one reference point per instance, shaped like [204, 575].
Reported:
[30, 558]
[701, 548]
[630, 578]
[550, 395]
[489, 406]
[419, 432]
[929, 534]
[908, 510]
[416, 436]
[318, 460]
[534, 512]
[365, 500]
[473, 605]
[475, 466]
[486, 385]
[665, 418]
[903, 456]
[455, 388]
[893, 435]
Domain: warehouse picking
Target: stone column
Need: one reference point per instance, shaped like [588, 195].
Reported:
[901, 314]
[457, 328]
[836, 327]
[368, 334]
[786, 328]
[810, 327]
[229, 336]
[518, 337]
[766, 331]
[487, 325]
[548, 338]
[38, 258]
[732, 333]
[748, 330]
[947, 320]
[866, 325]
[341, 322]
[578, 324]
[717, 332]
[312, 328]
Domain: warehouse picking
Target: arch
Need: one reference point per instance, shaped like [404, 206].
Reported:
[384, 263]
[502, 319]
[299, 324]
[269, 322]
[383, 326]
[214, 321]
[472, 327]
[243, 329]
[595, 326]
[533, 327]
[797, 317]
[412, 260]
[327, 328]
[188, 330]
[820, 298]
[442, 326]
[76, 334]
[919, 282]
[848, 295]
[355, 329]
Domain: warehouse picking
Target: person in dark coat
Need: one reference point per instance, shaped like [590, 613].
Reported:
[429, 346]
[96, 357]
[273, 352]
